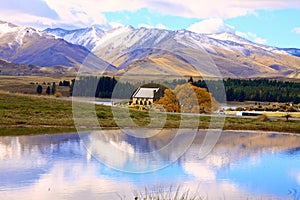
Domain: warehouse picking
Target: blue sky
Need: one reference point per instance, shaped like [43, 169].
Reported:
[268, 22]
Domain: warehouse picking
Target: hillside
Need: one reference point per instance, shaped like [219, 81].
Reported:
[29, 46]
[143, 51]
[14, 69]
[183, 51]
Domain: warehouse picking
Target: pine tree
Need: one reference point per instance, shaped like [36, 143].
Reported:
[53, 90]
[191, 80]
[39, 89]
[48, 90]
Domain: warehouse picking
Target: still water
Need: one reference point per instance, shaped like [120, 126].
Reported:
[243, 165]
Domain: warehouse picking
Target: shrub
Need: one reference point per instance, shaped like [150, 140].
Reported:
[58, 94]
[263, 118]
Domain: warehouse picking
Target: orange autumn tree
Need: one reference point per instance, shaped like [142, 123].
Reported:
[169, 102]
[188, 98]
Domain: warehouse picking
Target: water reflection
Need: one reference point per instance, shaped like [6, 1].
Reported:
[138, 155]
[59, 166]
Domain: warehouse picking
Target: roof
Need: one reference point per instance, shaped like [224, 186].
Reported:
[145, 92]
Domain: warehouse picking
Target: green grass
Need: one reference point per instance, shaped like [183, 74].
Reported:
[30, 114]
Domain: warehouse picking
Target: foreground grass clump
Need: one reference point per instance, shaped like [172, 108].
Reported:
[179, 194]
[31, 114]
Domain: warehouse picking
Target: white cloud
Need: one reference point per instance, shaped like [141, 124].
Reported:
[251, 36]
[296, 30]
[77, 12]
[161, 26]
[215, 25]
[27, 19]
[297, 177]
[216, 8]
[260, 40]
[255, 38]
[241, 34]
[115, 24]
[200, 171]
[82, 12]
[158, 26]
[145, 26]
[210, 26]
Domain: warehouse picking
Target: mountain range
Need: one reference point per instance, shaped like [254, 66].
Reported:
[144, 51]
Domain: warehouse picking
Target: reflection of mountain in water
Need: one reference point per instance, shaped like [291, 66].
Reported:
[132, 154]
[35, 163]
[294, 151]
[25, 159]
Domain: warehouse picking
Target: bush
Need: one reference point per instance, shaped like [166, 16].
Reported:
[58, 94]
[263, 118]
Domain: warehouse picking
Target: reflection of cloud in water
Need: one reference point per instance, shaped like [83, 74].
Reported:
[298, 177]
[200, 171]
[58, 166]
[116, 153]
[70, 181]
[137, 155]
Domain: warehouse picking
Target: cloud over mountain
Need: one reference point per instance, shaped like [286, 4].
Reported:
[296, 30]
[217, 25]
[82, 13]
[211, 26]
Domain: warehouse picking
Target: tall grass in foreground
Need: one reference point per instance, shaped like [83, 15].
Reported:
[161, 194]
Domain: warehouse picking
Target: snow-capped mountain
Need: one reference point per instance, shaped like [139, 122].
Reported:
[166, 51]
[240, 40]
[147, 51]
[86, 37]
[27, 45]
[18, 32]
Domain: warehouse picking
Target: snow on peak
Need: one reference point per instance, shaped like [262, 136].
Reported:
[226, 36]
[86, 37]
[120, 29]
[17, 32]
[110, 35]
[6, 27]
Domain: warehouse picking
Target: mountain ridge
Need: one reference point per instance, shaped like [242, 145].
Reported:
[27, 46]
[124, 49]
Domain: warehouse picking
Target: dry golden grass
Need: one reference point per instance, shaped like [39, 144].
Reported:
[23, 84]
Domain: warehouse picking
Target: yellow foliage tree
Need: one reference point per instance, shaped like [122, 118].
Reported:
[188, 98]
[169, 101]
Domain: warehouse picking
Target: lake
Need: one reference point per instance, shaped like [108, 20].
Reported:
[243, 165]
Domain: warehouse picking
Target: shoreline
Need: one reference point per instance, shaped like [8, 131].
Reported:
[223, 131]
[38, 115]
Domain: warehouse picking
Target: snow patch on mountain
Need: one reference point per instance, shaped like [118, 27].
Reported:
[109, 36]
[7, 28]
[86, 37]
[18, 32]
[230, 37]
[240, 40]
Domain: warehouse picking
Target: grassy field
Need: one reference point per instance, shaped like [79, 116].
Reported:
[24, 84]
[31, 114]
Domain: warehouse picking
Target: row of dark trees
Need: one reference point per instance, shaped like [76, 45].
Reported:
[49, 90]
[65, 83]
[103, 87]
[235, 89]
[256, 90]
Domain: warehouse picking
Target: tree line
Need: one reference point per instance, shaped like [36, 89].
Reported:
[236, 89]
[256, 90]
[49, 90]
[101, 87]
